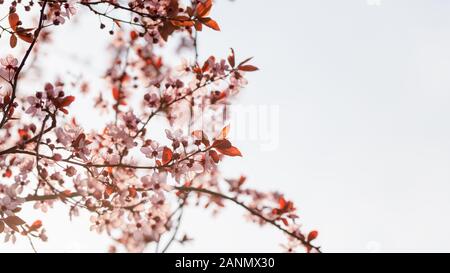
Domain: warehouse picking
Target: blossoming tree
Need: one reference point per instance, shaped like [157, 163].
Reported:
[134, 188]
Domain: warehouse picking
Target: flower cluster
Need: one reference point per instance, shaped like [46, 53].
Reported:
[133, 180]
[59, 12]
[50, 100]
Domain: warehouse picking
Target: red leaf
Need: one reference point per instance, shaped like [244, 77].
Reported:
[285, 222]
[2, 226]
[198, 26]
[231, 59]
[76, 142]
[231, 151]
[132, 191]
[312, 235]
[13, 20]
[167, 156]
[23, 133]
[66, 101]
[27, 37]
[205, 66]
[25, 34]
[245, 61]
[13, 222]
[165, 30]
[248, 68]
[36, 225]
[215, 156]
[116, 93]
[109, 190]
[282, 203]
[210, 23]
[224, 147]
[7, 173]
[13, 41]
[224, 133]
[204, 8]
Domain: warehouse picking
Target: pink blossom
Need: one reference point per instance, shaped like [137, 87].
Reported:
[9, 66]
[156, 182]
[153, 150]
[152, 99]
[10, 235]
[194, 164]
[184, 68]
[107, 221]
[177, 138]
[43, 205]
[70, 8]
[35, 108]
[130, 120]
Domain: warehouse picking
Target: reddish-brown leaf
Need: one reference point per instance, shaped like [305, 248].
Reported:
[205, 66]
[109, 190]
[231, 151]
[245, 61]
[182, 21]
[76, 142]
[66, 193]
[203, 9]
[222, 144]
[167, 156]
[13, 19]
[312, 235]
[166, 29]
[248, 68]
[224, 133]
[215, 156]
[198, 26]
[282, 203]
[210, 23]
[8, 173]
[36, 225]
[2, 226]
[14, 221]
[13, 41]
[231, 59]
[66, 101]
[133, 35]
[23, 133]
[27, 37]
[132, 192]
[173, 8]
[115, 93]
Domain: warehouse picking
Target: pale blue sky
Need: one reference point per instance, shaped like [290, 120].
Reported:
[364, 93]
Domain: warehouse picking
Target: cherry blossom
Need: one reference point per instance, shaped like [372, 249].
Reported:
[152, 150]
[163, 140]
[8, 67]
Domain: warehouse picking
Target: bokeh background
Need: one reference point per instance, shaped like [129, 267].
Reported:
[363, 92]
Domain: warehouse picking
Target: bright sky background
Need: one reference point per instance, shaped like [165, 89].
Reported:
[364, 98]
